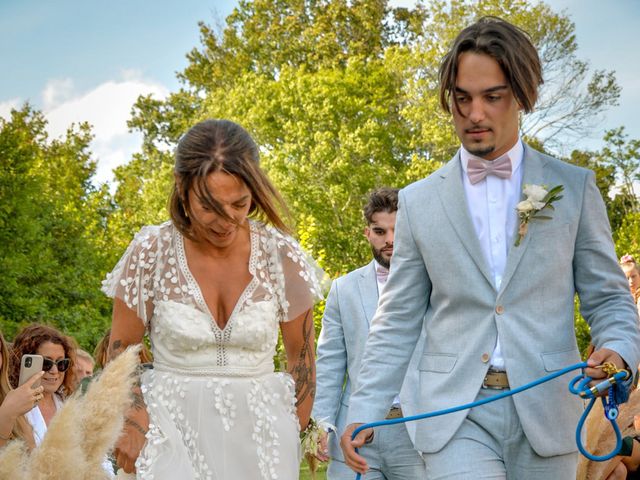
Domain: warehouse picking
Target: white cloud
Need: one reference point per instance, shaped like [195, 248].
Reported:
[107, 108]
[7, 105]
[113, 153]
[56, 92]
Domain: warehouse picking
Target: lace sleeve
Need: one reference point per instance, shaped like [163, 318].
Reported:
[302, 282]
[132, 278]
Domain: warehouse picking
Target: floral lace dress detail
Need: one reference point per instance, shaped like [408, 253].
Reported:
[217, 409]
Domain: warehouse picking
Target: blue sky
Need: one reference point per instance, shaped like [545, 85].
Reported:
[88, 60]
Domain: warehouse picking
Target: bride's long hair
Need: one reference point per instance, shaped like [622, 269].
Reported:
[21, 428]
[222, 146]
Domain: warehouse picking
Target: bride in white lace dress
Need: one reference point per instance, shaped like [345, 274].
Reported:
[211, 288]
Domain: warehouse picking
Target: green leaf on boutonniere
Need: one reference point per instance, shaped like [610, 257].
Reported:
[555, 190]
[538, 199]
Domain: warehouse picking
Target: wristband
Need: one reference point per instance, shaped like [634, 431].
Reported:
[627, 447]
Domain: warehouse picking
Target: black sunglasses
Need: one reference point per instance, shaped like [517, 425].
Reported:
[62, 364]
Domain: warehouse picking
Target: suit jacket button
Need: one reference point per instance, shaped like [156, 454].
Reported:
[499, 309]
[485, 357]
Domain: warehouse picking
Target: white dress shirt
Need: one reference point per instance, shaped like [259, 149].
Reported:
[492, 207]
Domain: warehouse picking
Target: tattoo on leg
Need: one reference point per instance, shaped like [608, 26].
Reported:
[304, 369]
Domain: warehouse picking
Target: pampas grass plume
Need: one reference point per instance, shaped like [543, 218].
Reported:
[13, 459]
[82, 433]
[60, 455]
[106, 402]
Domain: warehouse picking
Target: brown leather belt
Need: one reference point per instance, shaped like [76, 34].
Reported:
[496, 380]
[395, 412]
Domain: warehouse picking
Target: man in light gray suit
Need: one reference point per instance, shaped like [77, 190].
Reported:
[492, 290]
[350, 306]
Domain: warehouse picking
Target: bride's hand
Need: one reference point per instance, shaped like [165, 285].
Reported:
[323, 447]
[132, 440]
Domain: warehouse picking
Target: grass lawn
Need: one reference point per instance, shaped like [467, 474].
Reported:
[320, 474]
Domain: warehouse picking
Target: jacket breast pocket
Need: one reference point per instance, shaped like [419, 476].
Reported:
[437, 362]
[551, 245]
[545, 232]
[554, 361]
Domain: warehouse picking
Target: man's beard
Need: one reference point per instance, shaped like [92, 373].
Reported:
[377, 254]
[481, 152]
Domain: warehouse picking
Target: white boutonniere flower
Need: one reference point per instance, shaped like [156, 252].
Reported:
[538, 199]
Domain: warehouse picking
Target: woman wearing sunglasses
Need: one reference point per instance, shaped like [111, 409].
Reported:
[58, 352]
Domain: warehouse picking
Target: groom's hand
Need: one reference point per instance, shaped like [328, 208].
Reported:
[600, 357]
[354, 461]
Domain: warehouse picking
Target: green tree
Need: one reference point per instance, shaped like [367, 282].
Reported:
[51, 224]
[341, 96]
[624, 156]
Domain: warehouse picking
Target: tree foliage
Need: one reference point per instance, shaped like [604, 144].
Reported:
[51, 226]
[341, 97]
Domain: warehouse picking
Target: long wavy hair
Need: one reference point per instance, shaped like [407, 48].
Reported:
[21, 429]
[29, 340]
[221, 146]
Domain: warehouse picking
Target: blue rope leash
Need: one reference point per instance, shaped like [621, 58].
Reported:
[578, 386]
[610, 402]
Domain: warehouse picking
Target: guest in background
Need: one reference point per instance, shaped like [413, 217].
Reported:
[632, 272]
[350, 307]
[14, 403]
[58, 380]
[84, 365]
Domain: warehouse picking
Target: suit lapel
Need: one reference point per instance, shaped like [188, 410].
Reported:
[454, 203]
[533, 173]
[368, 285]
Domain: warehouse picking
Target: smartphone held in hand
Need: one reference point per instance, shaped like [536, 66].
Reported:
[29, 366]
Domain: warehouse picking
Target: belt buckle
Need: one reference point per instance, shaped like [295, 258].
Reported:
[394, 412]
[496, 380]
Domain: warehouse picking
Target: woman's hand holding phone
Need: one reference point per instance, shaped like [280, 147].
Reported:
[24, 398]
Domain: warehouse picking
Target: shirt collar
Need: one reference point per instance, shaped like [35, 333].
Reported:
[377, 266]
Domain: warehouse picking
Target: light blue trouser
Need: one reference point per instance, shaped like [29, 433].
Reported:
[390, 456]
[490, 444]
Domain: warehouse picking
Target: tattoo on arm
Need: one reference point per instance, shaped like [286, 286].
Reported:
[115, 349]
[135, 425]
[304, 368]
[138, 401]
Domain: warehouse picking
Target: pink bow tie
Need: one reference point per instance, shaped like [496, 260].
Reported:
[477, 169]
[382, 274]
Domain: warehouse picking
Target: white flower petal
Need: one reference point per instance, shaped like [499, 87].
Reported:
[535, 193]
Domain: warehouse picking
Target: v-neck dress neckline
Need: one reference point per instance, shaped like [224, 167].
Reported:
[195, 286]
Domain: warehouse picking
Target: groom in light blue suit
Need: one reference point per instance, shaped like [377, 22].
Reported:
[350, 307]
[493, 292]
